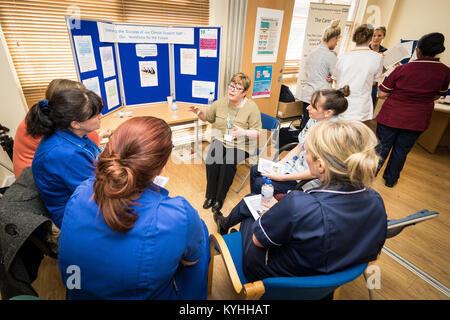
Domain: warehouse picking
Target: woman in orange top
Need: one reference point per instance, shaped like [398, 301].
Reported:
[25, 145]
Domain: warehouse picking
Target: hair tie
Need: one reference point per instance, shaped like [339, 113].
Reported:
[43, 105]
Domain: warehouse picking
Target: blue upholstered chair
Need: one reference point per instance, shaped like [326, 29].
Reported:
[272, 125]
[298, 288]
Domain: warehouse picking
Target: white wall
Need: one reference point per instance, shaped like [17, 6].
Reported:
[12, 106]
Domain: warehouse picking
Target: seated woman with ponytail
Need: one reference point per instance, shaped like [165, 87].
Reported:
[326, 104]
[327, 229]
[128, 238]
[65, 155]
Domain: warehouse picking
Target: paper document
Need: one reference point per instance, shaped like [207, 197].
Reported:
[269, 167]
[160, 181]
[107, 58]
[188, 61]
[85, 53]
[254, 205]
[148, 73]
[112, 95]
[93, 85]
[396, 54]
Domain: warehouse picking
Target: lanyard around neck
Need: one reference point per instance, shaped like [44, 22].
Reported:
[97, 149]
[230, 124]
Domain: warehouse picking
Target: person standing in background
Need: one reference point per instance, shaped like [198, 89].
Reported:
[410, 90]
[319, 65]
[359, 68]
[378, 35]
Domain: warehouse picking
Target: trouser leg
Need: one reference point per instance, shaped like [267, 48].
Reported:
[402, 146]
[214, 162]
[386, 137]
[239, 213]
[228, 171]
[256, 180]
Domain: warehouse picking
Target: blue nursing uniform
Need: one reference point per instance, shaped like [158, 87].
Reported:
[61, 162]
[319, 231]
[143, 263]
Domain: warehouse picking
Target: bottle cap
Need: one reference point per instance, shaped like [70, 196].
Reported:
[295, 157]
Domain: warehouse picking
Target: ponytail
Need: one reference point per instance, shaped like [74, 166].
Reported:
[39, 121]
[334, 30]
[135, 154]
[347, 149]
[335, 100]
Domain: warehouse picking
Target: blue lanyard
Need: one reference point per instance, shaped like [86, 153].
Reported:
[94, 156]
[230, 124]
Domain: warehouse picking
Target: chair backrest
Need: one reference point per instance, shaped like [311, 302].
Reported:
[396, 226]
[301, 288]
[268, 122]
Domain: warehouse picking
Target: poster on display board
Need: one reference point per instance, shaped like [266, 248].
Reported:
[320, 16]
[262, 82]
[267, 35]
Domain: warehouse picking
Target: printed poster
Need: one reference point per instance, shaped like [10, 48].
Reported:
[107, 58]
[112, 95]
[320, 16]
[208, 43]
[201, 89]
[85, 53]
[146, 50]
[149, 73]
[93, 85]
[267, 35]
[262, 82]
[188, 61]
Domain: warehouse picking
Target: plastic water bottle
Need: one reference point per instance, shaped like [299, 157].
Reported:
[210, 98]
[266, 191]
[174, 108]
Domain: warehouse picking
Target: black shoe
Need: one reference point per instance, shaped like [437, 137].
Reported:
[390, 184]
[218, 219]
[217, 205]
[208, 203]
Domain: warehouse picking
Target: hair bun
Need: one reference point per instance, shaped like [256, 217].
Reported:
[345, 90]
[335, 23]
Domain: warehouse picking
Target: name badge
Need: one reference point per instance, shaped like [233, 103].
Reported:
[228, 137]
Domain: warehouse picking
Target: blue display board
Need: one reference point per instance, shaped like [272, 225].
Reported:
[89, 28]
[136, 71]
[207, 69]
[130, 63]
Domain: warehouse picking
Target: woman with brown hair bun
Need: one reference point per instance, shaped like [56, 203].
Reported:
[359, 68]
[128, 238]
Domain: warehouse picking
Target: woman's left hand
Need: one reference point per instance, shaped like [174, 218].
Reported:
[105, 133]
[238, 132]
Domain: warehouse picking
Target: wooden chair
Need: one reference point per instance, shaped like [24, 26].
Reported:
[285, 288]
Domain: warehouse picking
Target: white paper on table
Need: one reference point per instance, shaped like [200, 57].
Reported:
[112, 95]
[208, 43]
[188, 61]
[106, 55]
[85, 53]
[149, 73]
[201, 89]
[146, 50]
[160, 181]
[254, 205]
[93, 85]
[395, 54]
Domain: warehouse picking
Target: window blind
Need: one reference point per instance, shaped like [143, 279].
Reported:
[38, 40]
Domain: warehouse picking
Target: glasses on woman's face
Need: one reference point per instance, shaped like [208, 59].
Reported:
[234, 88]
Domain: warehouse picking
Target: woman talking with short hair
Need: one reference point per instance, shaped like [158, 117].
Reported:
[129, 239]
[324, 230]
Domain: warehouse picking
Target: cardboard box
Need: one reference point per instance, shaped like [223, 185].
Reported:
[290, 109]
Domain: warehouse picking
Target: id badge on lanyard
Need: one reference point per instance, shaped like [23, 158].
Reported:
[228, 137]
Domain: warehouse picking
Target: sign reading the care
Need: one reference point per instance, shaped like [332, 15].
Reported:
[111, 32]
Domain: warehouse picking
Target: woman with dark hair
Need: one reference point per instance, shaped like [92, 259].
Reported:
[359, 68]
[65, 155]
[410, 90]
[326, 104]
[129, 239]
[25, 145]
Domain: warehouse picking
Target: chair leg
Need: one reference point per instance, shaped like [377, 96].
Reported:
[370, 290]
[243, 182]
[211, 265]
